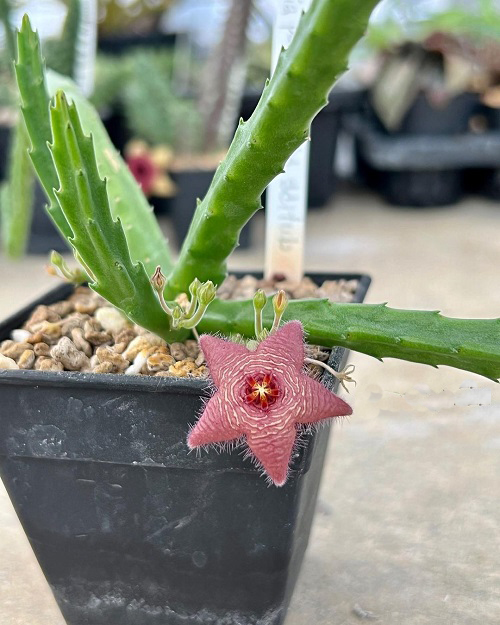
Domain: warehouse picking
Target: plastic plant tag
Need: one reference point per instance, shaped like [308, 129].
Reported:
[286, 202]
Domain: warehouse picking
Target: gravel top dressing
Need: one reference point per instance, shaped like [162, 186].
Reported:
[84, 333]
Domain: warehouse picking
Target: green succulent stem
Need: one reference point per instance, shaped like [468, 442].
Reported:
[425, 337]
[298, 89]
[98, 238]
[144, 237]
[16, 199]
[9, 31]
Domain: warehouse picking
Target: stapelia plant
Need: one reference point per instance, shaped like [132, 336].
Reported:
[99, 208]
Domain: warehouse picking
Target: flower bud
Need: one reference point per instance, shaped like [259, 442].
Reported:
[206, 293]
[194, 286]
[259, 300]
[158, 280]
[177, 316]
[280, 302]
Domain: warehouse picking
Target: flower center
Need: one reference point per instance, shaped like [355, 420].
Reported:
[261, 390]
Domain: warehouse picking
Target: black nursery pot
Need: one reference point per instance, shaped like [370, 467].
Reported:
[43, 237]
[131, 529]
[422, 163]
[5, 134]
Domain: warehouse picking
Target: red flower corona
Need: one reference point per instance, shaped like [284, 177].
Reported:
[263, 395]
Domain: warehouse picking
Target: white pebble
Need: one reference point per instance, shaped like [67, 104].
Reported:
[7, 363]
[19, 335]
[111, 319]
[136, 366]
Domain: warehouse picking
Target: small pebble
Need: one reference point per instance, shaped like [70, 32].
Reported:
[178, 351]
[112, 320]
[5, 345]
[16, 349]
[26, 359]
[41, 313]
[104, 367]
[142, 342]
[20, 336]
[48, 364]
[125, 336]
[74, 320]
[137, 365]
[93, 333]
[37, 337]
[69, 355]
[50, 331]
[191, 348]
[81, 343]
[107, 354]
[41, 349]
[62, 308]
[85, 305]
[182, 368]
[159, 362]
[7, 363]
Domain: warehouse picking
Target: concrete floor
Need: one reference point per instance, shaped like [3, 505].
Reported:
[407, 529]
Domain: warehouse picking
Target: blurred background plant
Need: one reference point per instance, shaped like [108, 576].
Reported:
[173, 76]
[71, 53]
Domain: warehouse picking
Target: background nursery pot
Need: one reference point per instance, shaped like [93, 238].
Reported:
[131, 529]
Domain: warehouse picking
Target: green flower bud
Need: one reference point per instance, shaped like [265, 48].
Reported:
[194, 286]
[206, 293]
[259, 300]
[177, 316]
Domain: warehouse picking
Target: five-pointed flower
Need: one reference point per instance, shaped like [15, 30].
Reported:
[263, 395]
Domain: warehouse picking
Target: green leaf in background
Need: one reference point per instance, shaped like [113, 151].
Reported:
[16, 197]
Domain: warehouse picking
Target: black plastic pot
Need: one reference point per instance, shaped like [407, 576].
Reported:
[424, 164]
[131, 529]
[5, 132]
[120, 44]
[452, 118]
[44, 237]
[191, 185]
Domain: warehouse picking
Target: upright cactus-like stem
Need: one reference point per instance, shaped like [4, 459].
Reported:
[298, 89]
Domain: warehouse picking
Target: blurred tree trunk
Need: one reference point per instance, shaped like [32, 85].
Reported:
[224, 79]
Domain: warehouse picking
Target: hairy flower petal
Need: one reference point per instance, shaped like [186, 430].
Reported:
[263, 395]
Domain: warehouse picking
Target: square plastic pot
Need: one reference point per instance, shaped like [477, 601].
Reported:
[128, 526]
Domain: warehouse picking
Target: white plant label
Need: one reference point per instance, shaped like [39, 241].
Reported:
[286, 198]
[84, 69]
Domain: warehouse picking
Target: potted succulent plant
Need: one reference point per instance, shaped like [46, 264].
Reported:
[128, 526]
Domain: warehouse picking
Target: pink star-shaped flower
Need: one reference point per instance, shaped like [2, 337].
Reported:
[263, 395]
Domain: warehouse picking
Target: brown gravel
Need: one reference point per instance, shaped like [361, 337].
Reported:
[83, 333]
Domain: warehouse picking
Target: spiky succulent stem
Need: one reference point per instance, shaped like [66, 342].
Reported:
[144, 237]
[98, 239]
[298, 89]
[426, 337]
